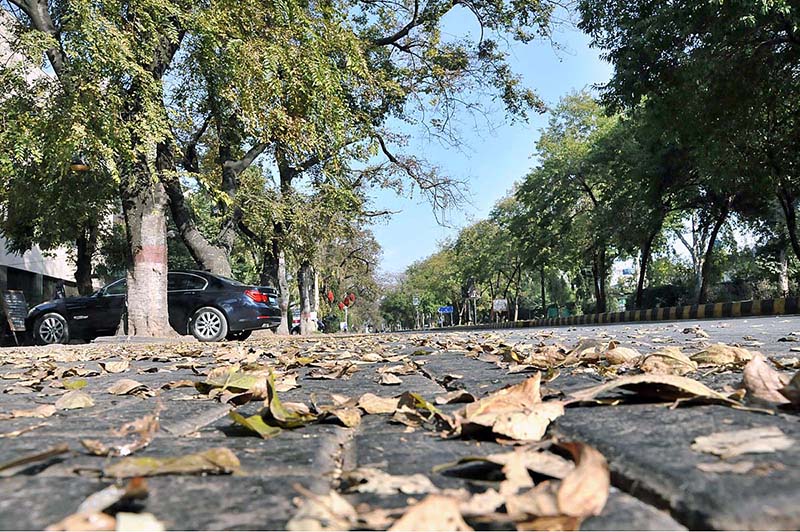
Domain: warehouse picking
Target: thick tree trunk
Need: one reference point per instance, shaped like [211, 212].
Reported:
[647, 250]
[86, 245]
[787, 201]
[702, 296]
[144, 204]
[544, 295]
[305, 285]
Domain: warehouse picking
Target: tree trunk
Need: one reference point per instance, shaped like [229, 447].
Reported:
[208, 256]
[144, 204]
[86, 245]
[305, 285]
[783, 274]
[283, 288]
[544, 295]
[706, 269]
[646, 253]
[787, 202]
[602, 304]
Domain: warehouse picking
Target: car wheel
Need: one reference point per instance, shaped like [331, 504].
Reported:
[51, 328]
[209, 325]
[238, 335]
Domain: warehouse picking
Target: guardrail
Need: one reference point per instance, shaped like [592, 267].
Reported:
[736, 309]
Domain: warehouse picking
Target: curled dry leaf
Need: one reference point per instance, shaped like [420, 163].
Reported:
[371, 480]
[115, 366]
[667, 361]
[516, 412]
[456, 396]
[584, 491]
[722, 355]
[41, 411]
[73, 400]
[90, 516]
[286, 416]
[763, 383]
[389, 379]
[322, 512]
[433, 513]
[660, 387]
[255, 423]
[129, 387]
[145, 429]
[534, 460]
[792, 390]
[621, 355]
[373, 404]
[733, 443]
[218, 461]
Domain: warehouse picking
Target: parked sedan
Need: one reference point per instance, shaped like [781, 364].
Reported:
[207, 306]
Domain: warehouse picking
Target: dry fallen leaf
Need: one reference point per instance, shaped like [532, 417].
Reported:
[373, 404]
[322, 512]
[129, 387]
[722, 355]
[390, 379]
[792, 390]
[534, 460]
[456, 396]
[74, 399]
[434, 513]
[762, 382]
[115, 366]
[145, 428]
[255, 424]
[97, 521]
[733, 443]
[516, 412]
[141, 522]
[667, 361]
[371, 480]
[739, 468]
[661, 387]
[41, 411]
[621, 355]
[218, 460]
[37, 457]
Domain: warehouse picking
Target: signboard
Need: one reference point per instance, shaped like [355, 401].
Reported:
[15, 309]
[415, 301]
[500, 305]
[446, 310]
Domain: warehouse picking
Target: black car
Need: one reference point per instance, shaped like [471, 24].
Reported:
[208, 306]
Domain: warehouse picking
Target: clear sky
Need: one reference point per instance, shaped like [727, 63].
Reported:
[492, 160]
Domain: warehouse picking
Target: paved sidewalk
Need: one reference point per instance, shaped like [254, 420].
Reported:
[656, 481]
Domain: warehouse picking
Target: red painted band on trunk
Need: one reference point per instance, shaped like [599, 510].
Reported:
[152, 254]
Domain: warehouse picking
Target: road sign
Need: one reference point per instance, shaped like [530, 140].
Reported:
[446, 310]
[415, 301]
[500, 305]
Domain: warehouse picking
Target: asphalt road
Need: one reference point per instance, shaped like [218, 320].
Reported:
[657, 483]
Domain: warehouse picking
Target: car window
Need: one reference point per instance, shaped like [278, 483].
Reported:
[116, 289]
[185, 281]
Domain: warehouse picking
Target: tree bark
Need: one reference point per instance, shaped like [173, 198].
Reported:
[283, 289]
[783, 274]
[144, 205]
[305, 285]
[86, 245]
[544, 298]
[706, 269]
[787, 201]
[647, 250]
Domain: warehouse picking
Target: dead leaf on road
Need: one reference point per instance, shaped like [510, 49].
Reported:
[390, 379]
[145, 428]
[722, 355]
[733, 443]
[138, 522]
[37, 457]
[534, 460]
[129, 387]
[255, 424]
[661, 387]
[792, 390]
[373, 404]
[456, 396]
[41, 411]
[73, 400]
[322, 512]
[739, 468]
[584, 491]
[115, 366]
[434, 513]
[218, 461]
[97, 521]
[763, 383]
[667, 361]
[621, 355]
[372, 480]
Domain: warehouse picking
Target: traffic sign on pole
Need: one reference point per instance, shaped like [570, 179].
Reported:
[446, 310]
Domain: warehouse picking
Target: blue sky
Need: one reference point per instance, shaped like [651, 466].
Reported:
[491, 161]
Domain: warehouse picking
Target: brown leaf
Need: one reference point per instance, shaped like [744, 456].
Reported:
[534, 460]
[722, 355]
[456, 396]
[322, 512]
[371, 480]
[74, 399]
[792, 390]
[96, 521]
[584, 491]
[667, 361]
[739, 468]
[390, 379]
[733, 443]
[37, 457]
[218, 460]
[661, 387]
[434, 513]
[138, 522]
[41, 411]
[763, 383]
[115, 366]
[347, 416]
[145, 429]
[621, 355]
[373, 404]
[129, 387]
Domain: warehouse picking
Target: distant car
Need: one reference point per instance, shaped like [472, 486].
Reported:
[209, 307]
